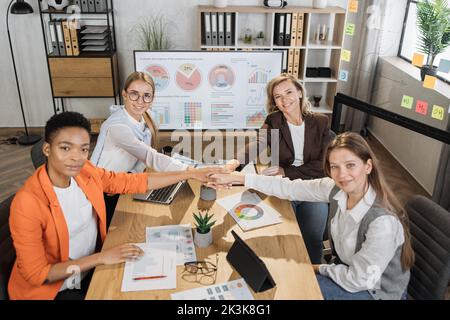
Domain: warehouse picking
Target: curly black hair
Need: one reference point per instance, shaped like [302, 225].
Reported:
[64, 120]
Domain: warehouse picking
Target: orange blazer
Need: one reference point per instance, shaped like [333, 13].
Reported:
[39, 231]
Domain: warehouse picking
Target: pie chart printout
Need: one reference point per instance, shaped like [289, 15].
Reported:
[248, 211]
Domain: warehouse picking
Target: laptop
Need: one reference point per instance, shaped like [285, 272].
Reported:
[162, 196]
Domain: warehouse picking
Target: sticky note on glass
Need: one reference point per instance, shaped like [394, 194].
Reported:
[437, 112]
[343, 75]
[421, 107]
[407, 102]
[444, 66]
[353, 6]
[417, 59]
[346, 55]
[429, 82]
[350, 29]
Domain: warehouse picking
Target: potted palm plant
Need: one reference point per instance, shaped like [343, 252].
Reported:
[433, 22]
[203, 234]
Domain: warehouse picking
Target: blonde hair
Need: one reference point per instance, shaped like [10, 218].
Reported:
[385, 197]
[135, 76]
[270, 103]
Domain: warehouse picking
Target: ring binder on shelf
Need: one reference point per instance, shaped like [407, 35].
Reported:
[207, 18]
[249, 266]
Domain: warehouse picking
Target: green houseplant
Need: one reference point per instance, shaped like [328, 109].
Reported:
[433, 22]
[152, 33]
[203, 224]
[260, 38]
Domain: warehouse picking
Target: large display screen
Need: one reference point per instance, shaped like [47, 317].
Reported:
[209, 89]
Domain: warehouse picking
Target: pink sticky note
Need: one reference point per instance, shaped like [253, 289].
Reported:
[422, 107]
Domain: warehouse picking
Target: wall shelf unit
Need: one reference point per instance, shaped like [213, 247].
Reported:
[301, 49]
[81, 51]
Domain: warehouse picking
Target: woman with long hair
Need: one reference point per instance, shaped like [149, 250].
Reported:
[369, 230]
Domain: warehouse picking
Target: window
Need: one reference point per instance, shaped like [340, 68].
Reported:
[408, 42]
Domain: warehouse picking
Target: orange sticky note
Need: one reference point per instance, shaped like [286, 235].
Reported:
[353, 6]
[429, 82]
[417, 59]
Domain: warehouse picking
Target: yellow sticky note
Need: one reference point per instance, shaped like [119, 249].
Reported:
[346, 55]
[407, 102]
[429, 82]
[437, 112]
[417, 59]
[353, 6]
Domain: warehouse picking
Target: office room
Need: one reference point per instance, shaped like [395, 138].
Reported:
[225, 150]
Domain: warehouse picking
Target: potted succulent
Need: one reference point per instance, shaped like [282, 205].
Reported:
[260, 38]
[203, 234]
[433, 22]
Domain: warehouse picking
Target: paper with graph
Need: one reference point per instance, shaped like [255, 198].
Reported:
[249, 211]
[181, 235]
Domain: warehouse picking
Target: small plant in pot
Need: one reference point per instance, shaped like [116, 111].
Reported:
[433, 22]
[260, 38]
[203, 224]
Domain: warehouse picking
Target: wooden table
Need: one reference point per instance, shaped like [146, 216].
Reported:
[280, 246]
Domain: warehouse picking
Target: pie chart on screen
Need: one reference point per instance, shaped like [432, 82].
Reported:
[159, 75]
[221, 77]
[188, 77]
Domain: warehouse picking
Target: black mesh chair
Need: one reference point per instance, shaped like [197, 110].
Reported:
[430, 231]
[37, 157]
[7, 252]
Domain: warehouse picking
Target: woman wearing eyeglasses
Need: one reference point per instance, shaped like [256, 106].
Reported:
[127, 138]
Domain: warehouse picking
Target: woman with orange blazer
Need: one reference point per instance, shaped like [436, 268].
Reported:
[58, 218]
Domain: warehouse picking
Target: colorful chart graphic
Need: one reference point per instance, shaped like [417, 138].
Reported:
[159, 75]
[256, 95]
[188, 77]
[248, 212]
[258, 76]
[192, 113]
[221, 77]
[161, 113]
[256, 119]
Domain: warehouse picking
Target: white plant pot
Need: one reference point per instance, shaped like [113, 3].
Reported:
[319, 4]
[202, 240]
[220, 3]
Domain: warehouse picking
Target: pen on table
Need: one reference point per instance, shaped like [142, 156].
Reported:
[149, 277]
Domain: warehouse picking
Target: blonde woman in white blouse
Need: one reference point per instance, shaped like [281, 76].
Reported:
[369, 230]
[127, 138]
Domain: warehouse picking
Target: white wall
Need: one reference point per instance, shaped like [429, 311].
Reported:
[32, 66]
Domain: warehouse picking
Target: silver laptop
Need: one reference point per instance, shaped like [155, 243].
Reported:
[163, 196]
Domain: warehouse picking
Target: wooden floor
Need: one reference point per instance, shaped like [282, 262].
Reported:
[16, 167]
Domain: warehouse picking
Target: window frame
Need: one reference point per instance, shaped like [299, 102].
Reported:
[399, 53]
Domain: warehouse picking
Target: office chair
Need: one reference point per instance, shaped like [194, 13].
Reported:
[430, 232]
[8, 254]
[37, 157]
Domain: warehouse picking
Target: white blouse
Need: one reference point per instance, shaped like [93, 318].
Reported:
[122, 151]
[298, 140]
[384, 236]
